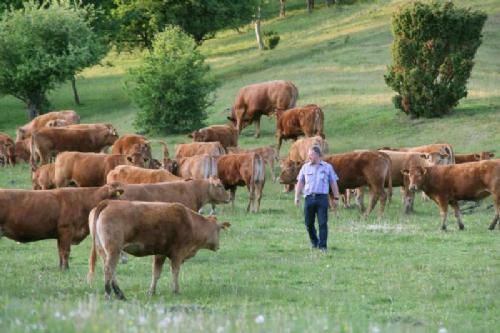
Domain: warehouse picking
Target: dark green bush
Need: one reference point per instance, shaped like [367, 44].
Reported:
[271, 39]
[172, 87]
[432, 56]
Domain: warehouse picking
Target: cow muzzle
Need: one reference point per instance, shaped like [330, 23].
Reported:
[413, 188]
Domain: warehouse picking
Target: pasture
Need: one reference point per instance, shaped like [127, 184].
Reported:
[393, 273]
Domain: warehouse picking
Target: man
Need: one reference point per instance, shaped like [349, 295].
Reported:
[315, 178]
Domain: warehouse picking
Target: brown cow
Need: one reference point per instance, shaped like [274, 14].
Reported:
[7, 149]
[259, 99]
[24, 132]
[269, 154]
[22, 150]
[62, 214]
[196, 167]
[367, 168]
[198, 148]
[43, 178]
[299, 149]
[51, 140]
[464, 158]
[129, 144]
[243, 170]
[306, 120]
[128, 174]
[194, 194]
[227, 135]
[447, 184]
[165, 230]
[90, 169]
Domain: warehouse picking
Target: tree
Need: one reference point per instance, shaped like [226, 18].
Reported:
[42, 46]
[173, 87]
[140, 20]
[432, 56]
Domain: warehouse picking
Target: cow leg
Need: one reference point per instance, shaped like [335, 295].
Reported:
[455, 206]
[360, 198]
[118, 292]
[257, 128]
[443, 208]
[110, 263]
[374, 195]
[273, 173]
[258, 196]
[383, 200]
[64, 247]
[497, 215]
[232, 192]
[251, 199]
[158, 261]
[280, 141]
[175, 265]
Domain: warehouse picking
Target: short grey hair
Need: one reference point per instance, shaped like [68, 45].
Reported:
[316, 149]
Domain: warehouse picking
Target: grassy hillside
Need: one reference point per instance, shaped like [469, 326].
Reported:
[394, 274]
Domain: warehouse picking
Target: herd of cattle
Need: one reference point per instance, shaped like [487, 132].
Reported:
[75, 180]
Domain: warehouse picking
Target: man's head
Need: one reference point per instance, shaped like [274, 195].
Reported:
[314, 154]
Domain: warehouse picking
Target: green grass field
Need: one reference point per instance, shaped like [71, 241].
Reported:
[393, 273]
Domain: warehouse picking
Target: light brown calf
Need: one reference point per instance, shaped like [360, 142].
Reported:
[198, 148]
[128, 174]
[227, 135]
[43, 178]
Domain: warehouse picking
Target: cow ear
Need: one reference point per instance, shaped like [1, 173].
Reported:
[224, 225]
[477, 157]
[405, 172]
[230, 118]
[424, 156]
[491, 154]
[129, 158]
[191, 135]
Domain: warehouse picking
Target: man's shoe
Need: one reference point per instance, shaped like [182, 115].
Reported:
[322, 249]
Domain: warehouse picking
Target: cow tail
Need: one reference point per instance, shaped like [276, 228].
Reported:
[258, 169]
[451, 153]
[318, 122]
[93, 232]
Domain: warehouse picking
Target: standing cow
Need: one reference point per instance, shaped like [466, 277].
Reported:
[227, 135]
[68, 116]
[259, 99]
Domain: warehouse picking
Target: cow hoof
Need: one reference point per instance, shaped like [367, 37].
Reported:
[461, 227]
[150, 293]
[443, 228]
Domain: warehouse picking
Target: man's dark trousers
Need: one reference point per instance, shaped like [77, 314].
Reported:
[317, 204]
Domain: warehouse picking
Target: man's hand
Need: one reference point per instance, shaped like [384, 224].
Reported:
[296, 201]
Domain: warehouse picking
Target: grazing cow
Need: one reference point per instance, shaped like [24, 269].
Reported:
[69, 116]
[367, 168]
[129, 144]
[243, 170]
[7, 149]
[299, 149]
[259, 99]
[227, 135]
[196, 167]
[306, 120]
[447, 184]
[22, 150]
[198, 148]
[52, 140]
[464, 158]
[128, 174]
[164, 230]
[194, 194]
[444, 148]
[90, 169]
[269, 154]
[43, 178]
[62, 214]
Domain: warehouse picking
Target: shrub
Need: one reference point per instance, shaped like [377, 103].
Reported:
[432, 56]
[271, 39]
[173, 87]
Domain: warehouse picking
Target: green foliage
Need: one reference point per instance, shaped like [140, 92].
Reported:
[42, 46]
[173, 86]
[271, 39]
[140, 20]
[432, 56]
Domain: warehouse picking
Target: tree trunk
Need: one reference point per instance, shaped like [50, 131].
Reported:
[37, 104]
[75, 92]
[258, 32]
[310, 6]
[282, 8]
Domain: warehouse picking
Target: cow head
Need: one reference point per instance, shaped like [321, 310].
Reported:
[138, 159]
[416, 176]
[21, 134]
[216, 191]
[289, 171]
[170, 165]
[113, 190]
[199, 136]
[212, 238]
[486, 155]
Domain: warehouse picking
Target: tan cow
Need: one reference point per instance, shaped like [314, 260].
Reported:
[269, 154]
[22, 150]
[196, 167]
[368, 168]
[69, 116]
[305, 120]
[128, 174]
[43, 178]
[227, 135]
[90, 169]
[7, 149]
[465, 158]
[444, 148]
[52, 140]
[164, 230]
[259, 99]
[243, 170]
[299, 149]
[198, 148]
[129, 144]
[194, 194]
[447, 184]
[62, 214]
